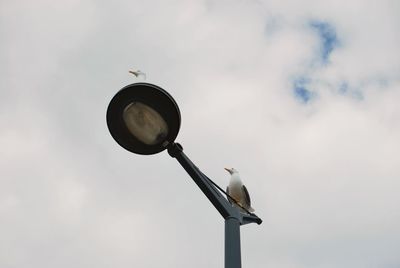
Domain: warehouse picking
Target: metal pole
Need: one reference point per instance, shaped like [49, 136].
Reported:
[232, 243]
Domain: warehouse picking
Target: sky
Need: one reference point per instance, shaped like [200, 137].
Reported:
[302, 98]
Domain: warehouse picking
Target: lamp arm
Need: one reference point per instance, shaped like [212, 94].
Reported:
[226, 210]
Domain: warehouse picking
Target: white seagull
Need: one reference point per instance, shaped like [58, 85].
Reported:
[138, 73]
[238, 191]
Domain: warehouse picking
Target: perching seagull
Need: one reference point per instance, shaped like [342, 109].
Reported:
[138, 73]
[238, 191]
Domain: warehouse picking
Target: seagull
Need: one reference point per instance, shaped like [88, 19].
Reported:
[238, 191]
[138, 73]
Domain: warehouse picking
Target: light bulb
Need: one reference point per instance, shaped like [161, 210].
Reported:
[145, 123]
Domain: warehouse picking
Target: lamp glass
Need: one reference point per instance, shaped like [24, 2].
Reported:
[146, 124]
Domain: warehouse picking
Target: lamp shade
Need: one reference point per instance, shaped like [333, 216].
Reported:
[143, 118]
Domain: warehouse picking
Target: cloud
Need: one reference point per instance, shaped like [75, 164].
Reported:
[300, 98]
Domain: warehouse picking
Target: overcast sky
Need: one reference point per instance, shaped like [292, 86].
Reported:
[302, 99]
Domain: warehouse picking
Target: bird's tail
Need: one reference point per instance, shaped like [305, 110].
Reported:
[251, 209]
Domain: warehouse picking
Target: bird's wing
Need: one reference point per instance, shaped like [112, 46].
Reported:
[229, 199]
[134, 73]
[138, 73]
[246, 196]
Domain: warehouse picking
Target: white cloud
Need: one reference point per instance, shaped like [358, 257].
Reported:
[323, 174]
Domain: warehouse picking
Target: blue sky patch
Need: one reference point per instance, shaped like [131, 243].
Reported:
[301, 90]
[327, 34]
[350, 91]
[343, 88]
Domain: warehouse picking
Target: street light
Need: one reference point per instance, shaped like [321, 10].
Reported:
[144, 119]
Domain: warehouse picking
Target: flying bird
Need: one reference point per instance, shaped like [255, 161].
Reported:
[238, 191]
[138, 73]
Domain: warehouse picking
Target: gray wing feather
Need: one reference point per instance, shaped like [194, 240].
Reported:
[246, 195]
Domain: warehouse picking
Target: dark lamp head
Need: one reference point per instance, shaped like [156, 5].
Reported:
[143, 118]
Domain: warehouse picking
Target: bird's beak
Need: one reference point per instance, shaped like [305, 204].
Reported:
[229, 170]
